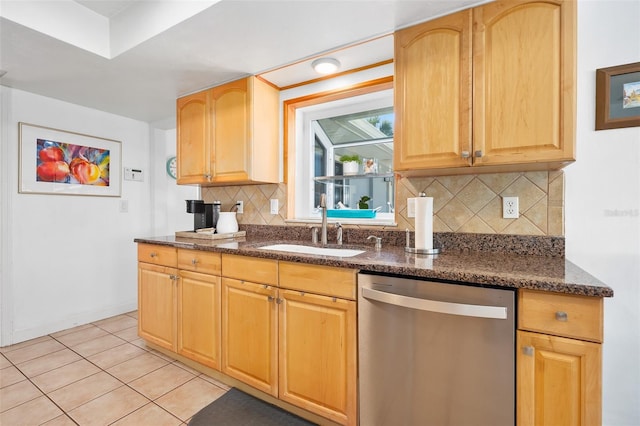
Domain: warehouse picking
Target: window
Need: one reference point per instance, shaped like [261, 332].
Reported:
[359, 125]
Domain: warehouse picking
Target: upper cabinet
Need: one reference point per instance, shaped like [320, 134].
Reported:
[433, 94]
[487, 89]
[229, 134]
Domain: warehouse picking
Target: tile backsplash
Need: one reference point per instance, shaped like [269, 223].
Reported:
[463, 203]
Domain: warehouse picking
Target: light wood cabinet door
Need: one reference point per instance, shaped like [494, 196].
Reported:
[231, 131]
[317, 349]
[199, 318]
[433, 94]
[524, 82]
[229, 134]
[558, 381]
[157, 317]
[250, 334]
[245, 132]
[194, 138]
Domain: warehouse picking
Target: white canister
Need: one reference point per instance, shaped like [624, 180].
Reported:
[227, 223]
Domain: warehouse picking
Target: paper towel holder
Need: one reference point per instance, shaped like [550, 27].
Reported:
[422, 251]
[413, 250]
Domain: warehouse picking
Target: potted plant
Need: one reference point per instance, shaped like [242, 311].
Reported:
[362, 202]
[350, 164]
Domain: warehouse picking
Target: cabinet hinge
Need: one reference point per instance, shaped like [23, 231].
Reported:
[527, 350]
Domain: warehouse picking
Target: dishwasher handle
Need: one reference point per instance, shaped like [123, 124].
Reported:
[478, 311]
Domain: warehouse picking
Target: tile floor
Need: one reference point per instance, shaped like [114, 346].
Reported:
[99, 374]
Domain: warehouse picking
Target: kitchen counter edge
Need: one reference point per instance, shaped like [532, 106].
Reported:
[476, 268]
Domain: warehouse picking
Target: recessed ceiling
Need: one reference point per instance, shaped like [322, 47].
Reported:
[107, 8]
[134, 58]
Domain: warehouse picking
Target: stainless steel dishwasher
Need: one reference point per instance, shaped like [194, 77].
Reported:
[433, 353]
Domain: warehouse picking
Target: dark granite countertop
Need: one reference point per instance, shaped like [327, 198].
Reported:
[496, 268]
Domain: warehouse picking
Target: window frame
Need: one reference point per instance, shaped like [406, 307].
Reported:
[294, 120]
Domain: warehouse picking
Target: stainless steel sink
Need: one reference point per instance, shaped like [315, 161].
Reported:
[320, 251]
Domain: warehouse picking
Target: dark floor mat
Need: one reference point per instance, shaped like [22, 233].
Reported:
[236, 408]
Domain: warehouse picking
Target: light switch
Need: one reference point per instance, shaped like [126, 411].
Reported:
[133, 174]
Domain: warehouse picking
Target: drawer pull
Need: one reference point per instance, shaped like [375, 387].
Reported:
[562, 316]
[153, 254]
[194, 261]
[527, 350]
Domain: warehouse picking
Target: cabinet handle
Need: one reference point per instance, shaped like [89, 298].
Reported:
[527, 350]
[478, 154]
[562, 316]
[278, 301]
[194, 261]
[465, 154]
[270, 298]
[153, 254]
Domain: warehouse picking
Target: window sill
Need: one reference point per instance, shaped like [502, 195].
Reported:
[346, 221]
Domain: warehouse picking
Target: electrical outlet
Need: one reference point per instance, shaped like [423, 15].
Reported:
[510, 208]
[273, 206]
[240, 205]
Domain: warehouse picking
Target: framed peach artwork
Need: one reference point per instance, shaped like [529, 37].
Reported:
[54, 161]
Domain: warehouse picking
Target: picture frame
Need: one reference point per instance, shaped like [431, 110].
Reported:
[59, 162]
[618, 96]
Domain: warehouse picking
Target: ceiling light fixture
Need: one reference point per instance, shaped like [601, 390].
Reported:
[325, 65]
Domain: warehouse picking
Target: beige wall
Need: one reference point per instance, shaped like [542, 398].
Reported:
[466, 203]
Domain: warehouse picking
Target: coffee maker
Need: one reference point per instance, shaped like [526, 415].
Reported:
[202, 214]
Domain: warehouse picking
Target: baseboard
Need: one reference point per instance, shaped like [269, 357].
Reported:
[67, 322]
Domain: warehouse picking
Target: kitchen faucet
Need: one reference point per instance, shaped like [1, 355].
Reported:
[323, 208]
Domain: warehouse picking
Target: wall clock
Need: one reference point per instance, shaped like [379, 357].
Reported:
[172, 167]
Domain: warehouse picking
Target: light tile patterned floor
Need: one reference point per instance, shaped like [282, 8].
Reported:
[99, 374]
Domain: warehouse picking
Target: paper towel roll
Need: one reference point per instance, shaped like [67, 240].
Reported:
[424, 223]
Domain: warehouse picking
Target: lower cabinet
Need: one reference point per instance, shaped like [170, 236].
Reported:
[317, 354]
[199, 318]
[558, 380]
[559, 359]
[250, 334]
[281, 336]
[179, 309]
[289, 330]
[157, 315]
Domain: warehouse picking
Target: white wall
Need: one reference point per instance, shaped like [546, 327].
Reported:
[168, 198]
[67, 260]
[606, 179]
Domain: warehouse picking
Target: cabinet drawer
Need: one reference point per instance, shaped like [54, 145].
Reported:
[157, 255]
[205, 262]
[327, 280]
[254, 269]
[561, 314]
